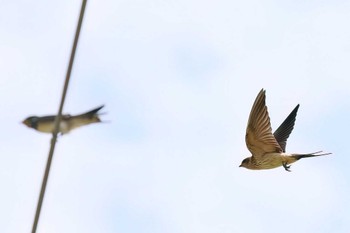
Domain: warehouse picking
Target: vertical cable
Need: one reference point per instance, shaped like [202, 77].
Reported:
[58, 119]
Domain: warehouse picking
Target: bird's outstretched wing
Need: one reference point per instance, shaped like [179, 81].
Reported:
[259, 137]
[282, 133]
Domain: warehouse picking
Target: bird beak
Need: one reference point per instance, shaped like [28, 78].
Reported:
[25, 122]
[240, 165]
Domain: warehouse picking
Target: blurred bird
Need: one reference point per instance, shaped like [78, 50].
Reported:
[45, 124]
[268, 150]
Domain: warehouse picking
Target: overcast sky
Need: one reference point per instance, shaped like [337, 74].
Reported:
[178, 79]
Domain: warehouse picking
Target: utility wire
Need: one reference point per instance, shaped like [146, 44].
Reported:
[58, 119]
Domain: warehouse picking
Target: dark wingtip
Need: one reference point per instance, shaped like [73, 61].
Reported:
[95, 110]
[295, 110]
[99, 108]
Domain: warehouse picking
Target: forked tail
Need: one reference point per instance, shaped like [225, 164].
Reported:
[308, 155]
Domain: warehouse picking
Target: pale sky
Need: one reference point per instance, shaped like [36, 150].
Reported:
[178, 79]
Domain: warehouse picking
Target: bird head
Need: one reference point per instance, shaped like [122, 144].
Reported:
[31, 122]
[245, 163]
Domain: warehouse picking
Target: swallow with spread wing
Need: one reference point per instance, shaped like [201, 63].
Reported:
[267, 149]
[45, 124]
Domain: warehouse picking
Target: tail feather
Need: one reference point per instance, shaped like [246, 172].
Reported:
[309, 155]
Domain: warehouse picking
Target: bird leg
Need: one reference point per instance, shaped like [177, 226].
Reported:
[286, 167]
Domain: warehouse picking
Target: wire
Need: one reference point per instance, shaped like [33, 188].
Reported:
[58, 119]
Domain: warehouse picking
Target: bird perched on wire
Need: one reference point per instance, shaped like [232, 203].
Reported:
[45, 124]
[267, 149]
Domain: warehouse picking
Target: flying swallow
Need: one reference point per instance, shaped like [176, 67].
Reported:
[267, 149]
[45, 124]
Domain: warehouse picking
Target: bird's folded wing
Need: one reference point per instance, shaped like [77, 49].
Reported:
[51, 119]
[259, 137]
[282, 133]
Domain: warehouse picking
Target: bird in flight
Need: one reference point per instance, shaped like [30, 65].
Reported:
[45, 124]
[267, 149]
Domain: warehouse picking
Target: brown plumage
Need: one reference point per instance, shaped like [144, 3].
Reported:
[267, 149]
[45, 124]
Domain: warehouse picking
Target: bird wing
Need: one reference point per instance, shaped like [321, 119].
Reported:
[259, 137]
[282, 133]
[90, 114]
[51, 119]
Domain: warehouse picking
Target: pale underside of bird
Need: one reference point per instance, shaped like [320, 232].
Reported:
[267, 149]
[45, 124]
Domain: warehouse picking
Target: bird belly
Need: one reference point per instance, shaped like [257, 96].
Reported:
[45, 127]
[273, 160]
[48, 127]
[270, 161]
[64, 127]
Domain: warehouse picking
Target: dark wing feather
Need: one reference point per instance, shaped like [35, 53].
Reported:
[47, 119]
[282, 133]
[90, 114]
